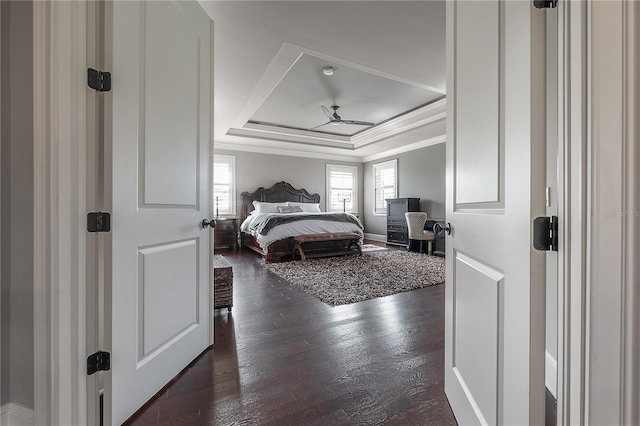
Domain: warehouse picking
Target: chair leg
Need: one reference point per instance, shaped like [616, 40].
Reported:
[409, 244]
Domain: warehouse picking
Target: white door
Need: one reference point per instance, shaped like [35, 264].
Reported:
[494, 332]
[161, 129]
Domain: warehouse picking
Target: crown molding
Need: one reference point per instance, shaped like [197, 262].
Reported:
[281, 151]
[420, 117]
[265, 131]
[406, 148]
[352, 157]
[412, 120]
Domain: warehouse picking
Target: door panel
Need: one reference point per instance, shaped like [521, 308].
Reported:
[494, 345]
[167, 283]
[477, 78]
[170, 107]
[475, 333]
[159, 313]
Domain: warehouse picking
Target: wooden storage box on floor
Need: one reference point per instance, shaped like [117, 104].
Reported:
[222, 283]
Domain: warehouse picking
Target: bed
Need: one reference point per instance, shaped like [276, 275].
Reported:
[271, 218]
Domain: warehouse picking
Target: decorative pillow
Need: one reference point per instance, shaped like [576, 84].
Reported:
[307, 207]
[262, 207]
[289, 209]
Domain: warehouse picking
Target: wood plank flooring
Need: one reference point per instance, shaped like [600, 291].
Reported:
[282, 357]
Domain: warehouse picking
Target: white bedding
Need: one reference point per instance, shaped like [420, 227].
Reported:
[300, 227]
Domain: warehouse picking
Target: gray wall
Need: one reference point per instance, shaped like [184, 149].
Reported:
[17, 193]
[255, 170]
[421, 174]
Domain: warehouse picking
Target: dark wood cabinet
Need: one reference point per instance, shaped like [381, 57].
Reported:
[397, 232]
[225, 234]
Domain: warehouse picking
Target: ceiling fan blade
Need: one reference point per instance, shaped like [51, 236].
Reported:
[313, 128]
[327, 112]
[359, 123]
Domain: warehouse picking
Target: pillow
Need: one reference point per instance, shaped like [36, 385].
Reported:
[262, 207]
[307, 207]
[289, 209]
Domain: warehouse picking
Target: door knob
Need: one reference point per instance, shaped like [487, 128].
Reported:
[211, 223]
[437, 228]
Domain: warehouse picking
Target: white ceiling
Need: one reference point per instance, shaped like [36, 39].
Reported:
[388, 56]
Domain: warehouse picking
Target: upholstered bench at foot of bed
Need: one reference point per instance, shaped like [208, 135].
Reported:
[344, 242]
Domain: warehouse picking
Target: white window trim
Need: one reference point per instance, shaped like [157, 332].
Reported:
[231, 160]
[391, 163]
[352, 169]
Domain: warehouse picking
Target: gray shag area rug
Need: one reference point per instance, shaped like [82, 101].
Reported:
[349, 279]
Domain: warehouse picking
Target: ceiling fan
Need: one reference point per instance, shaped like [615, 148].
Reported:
[335, 119]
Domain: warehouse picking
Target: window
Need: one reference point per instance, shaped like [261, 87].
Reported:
[224, 185]
[385, 176]
[342, 184]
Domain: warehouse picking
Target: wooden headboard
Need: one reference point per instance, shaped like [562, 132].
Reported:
[278, 193]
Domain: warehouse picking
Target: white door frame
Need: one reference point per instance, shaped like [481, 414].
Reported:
[599, 201]
[97, 107]
[60, 207]
[60, 134]
[612, 385]
[571, 212]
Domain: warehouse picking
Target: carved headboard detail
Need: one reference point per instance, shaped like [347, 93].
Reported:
[278, 193]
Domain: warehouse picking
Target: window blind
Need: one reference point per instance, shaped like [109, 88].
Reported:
[341, 188]
[223, 184]
[385, 180]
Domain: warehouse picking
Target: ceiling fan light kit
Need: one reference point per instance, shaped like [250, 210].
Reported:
[327, 70]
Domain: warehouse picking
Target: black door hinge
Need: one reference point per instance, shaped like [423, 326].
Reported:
[99, 361]
[98, 222]
[545, 233]
[545, 4]
[99, 80]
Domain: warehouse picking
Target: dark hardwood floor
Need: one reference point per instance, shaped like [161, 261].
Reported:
[282, 357]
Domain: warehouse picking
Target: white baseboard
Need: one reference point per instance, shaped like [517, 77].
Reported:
[551, 373]
[12, 414]
[375, 237]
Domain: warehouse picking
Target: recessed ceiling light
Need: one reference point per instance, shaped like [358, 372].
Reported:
[327, 70]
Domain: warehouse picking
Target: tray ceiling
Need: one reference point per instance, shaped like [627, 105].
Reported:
[269, 86]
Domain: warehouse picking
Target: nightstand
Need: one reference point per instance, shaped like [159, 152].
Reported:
[225, 234]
